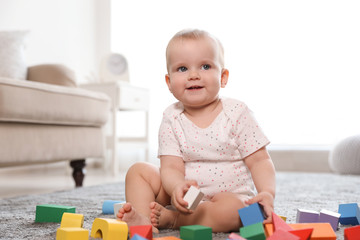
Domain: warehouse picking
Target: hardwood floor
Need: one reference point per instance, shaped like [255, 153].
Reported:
[36, 179]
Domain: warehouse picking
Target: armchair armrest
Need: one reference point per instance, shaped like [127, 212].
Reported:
[53, 74]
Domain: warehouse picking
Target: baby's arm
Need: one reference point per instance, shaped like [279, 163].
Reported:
[263, 174]
[172, 172]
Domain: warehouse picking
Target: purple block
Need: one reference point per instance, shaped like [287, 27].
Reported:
[330, 217]
[307, 216]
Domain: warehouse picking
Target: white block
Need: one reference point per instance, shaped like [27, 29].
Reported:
[193, 197]
[117, 207]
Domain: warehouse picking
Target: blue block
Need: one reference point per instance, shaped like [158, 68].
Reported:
[350, 214]
[251, 214]
[108, 206]
[137, 237]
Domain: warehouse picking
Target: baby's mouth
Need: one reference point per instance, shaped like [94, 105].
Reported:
[194, 87]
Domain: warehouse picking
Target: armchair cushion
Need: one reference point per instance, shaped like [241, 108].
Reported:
[12, 60]
[52, 73]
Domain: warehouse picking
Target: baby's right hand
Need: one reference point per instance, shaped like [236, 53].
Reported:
[177, 197]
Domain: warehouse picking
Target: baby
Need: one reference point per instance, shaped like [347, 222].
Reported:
[212, 143]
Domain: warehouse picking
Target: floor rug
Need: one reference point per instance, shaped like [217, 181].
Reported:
[312, 191]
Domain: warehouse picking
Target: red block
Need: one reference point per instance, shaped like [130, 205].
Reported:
[283, 235]
[279, 223]
[144, 230]
[352, 233]
[304, 234]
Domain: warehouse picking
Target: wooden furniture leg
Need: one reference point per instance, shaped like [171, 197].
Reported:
[78, 171]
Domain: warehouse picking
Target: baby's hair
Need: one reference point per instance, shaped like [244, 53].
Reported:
[196, 34]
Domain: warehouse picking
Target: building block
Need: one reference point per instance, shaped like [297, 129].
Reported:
[352, 233]
[283, 218]
[251, 214]
[193, 197]
[144, 231]
[303, 234]
[350, 214]
[234, 236]
[307, 216]
[108, 206]
[279, 223]
[320, 230]
[330, 217]
[269, 229]
[117, 207]
[137, 237]
[167, 238]
[253, 232]
[72, 233]
[51, 213]
[195, 232]
[283, 235]
[109, 229]
[72, 220]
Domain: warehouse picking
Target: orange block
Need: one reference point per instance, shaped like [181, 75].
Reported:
[144, 231]
[167, 238]
[269, 229]
[321, 231]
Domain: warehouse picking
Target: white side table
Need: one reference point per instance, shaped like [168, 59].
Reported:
[124, 97]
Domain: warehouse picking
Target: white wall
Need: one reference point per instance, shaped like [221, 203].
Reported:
[74, 33]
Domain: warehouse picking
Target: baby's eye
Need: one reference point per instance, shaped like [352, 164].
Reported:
[206, 66]
[182, 69]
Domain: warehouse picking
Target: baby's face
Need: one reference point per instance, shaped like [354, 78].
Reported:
[194, 71]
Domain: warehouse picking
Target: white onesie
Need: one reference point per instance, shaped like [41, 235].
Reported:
[213, 155]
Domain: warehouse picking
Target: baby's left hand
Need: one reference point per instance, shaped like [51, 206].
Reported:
[267, 201]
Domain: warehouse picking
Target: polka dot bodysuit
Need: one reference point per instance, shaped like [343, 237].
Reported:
[213, 155]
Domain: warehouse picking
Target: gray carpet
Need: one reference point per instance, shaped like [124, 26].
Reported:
[313, 191]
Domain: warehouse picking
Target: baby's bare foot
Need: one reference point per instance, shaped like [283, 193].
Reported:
[129, 215]
[161, 217]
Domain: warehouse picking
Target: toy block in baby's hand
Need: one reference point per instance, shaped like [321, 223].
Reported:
[193, 197]
[350, 214]
[251, 214]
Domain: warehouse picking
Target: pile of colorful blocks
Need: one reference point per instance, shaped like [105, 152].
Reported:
[310, 225]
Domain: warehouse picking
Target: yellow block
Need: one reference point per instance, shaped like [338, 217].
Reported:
[72, 220]
[109, 229]
[72, 234]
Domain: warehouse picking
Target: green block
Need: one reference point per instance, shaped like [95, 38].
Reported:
[51, 213]
[195, 232]
[253, 232]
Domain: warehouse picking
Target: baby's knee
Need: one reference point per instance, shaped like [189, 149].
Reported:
[227, 216]
[142, 169]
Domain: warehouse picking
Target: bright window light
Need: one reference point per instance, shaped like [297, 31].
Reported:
[295, 63]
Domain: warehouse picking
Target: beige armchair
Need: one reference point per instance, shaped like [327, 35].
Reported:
[47, 119]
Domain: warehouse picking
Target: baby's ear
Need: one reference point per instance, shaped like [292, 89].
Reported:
[167, 79]
[224, 77]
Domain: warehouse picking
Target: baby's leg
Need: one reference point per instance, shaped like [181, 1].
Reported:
[142, 187]
[220, 214]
